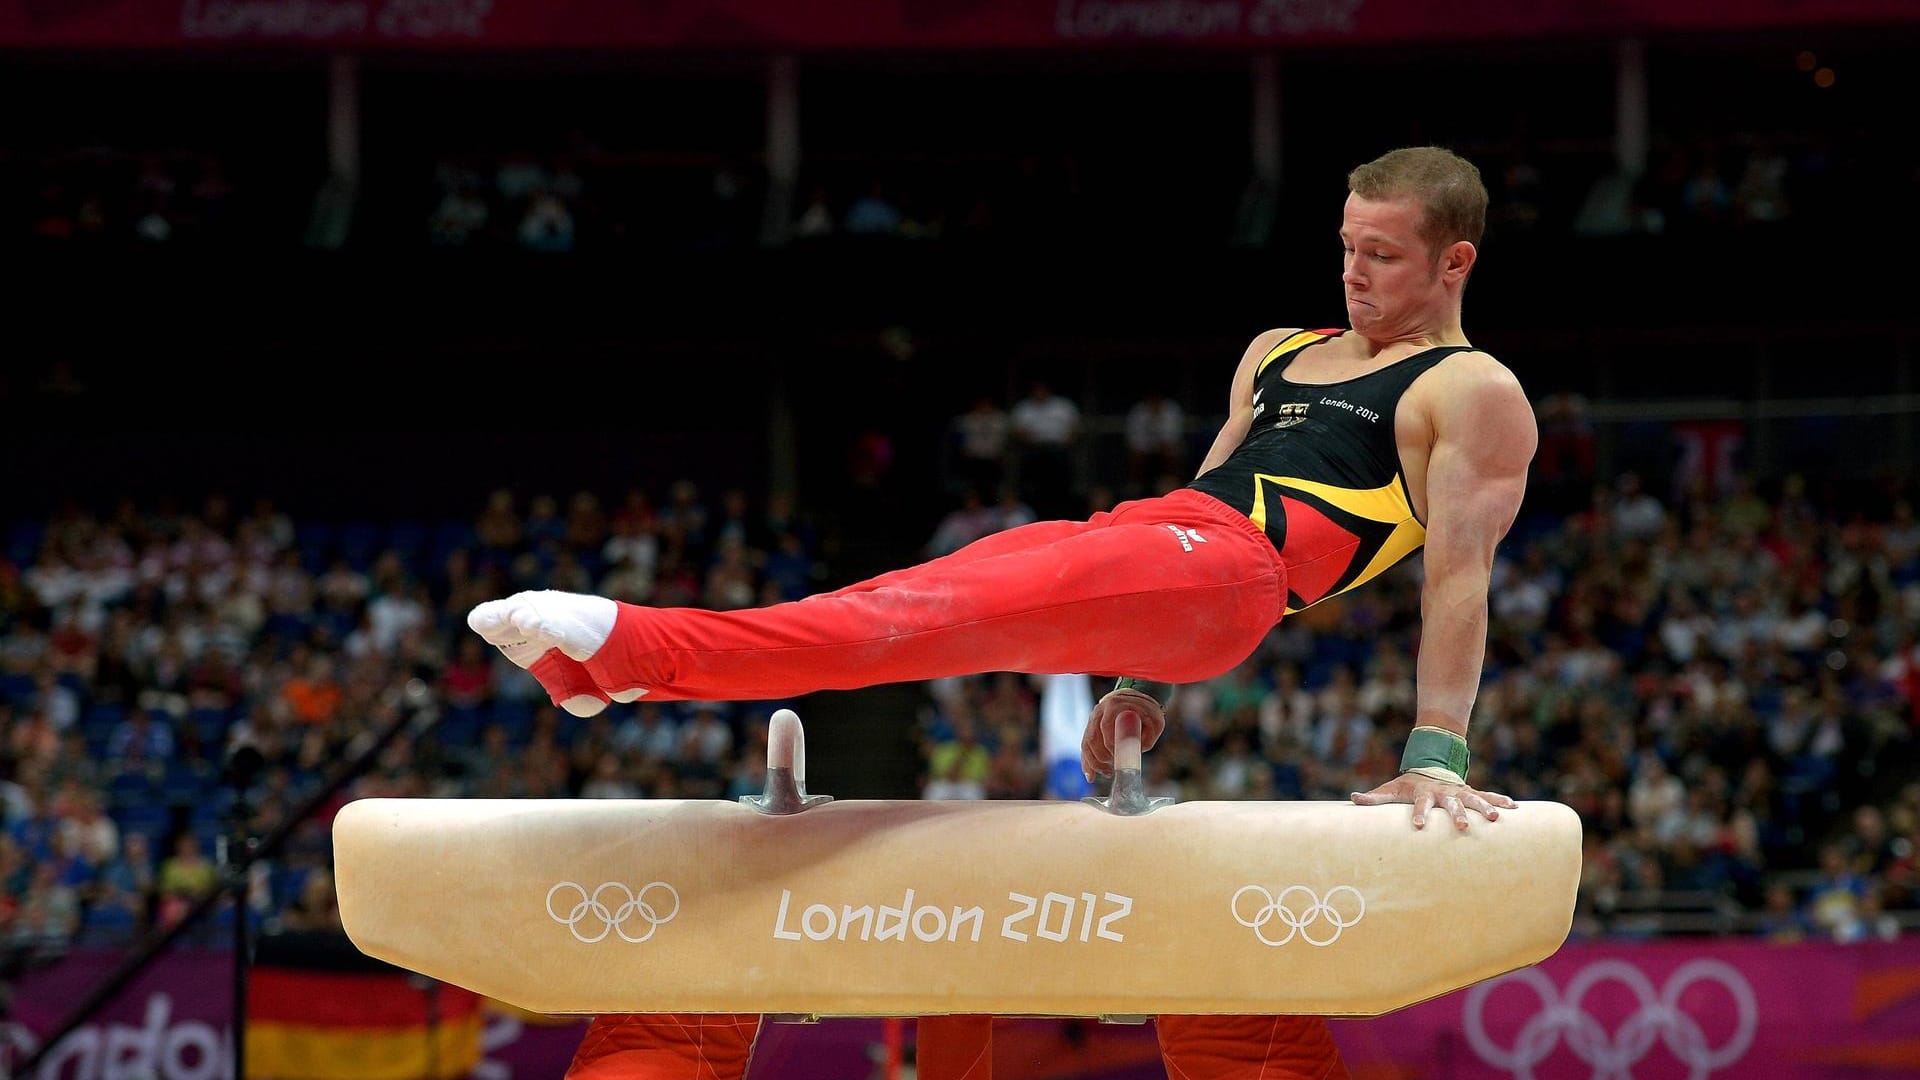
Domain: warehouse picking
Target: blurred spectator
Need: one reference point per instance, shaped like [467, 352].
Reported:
[460, 217]
[1834, 904]
[874, 212]
[1637, 515]
[980, 447]
[816, 218]
[958, 765]
[316, 908]
[185, 877]
[547, 225]
[1156, 442]
[1760, 195]
[962, 525]
[1012, 511]
[1046, 430]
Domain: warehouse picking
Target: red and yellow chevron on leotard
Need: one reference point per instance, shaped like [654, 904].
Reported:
[1319, 471]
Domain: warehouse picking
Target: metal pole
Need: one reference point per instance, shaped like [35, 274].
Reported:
[238, 883]
[783, 150]
[1631, 122]
[244, 767]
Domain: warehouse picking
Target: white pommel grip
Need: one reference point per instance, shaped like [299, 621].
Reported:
[1126, 741]
[1128, 797]
[785, 791]
[787, 744]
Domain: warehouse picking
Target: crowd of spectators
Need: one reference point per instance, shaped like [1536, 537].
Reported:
[1006, 460]
[146, 651]
[1689, 186]
[122, 196]
[581, 196]
[1724, 683]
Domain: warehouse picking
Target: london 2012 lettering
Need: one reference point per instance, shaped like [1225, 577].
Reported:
[330, 19]
[1051, 916]
[1361, 411]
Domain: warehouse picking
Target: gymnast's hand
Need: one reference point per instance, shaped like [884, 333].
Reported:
[1096, 745]
[1426, 793]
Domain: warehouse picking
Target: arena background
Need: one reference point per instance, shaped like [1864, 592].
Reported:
[329, 318]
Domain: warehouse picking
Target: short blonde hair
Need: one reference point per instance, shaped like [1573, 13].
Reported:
[1452, 198]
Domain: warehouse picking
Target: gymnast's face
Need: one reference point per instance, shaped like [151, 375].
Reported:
[1396, 285]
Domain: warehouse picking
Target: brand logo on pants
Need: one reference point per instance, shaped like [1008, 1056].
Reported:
[1187, 537]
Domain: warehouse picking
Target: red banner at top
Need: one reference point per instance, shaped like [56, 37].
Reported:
[786, 25]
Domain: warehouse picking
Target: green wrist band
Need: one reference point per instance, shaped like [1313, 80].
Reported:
[1158, 691]
[1435, 748]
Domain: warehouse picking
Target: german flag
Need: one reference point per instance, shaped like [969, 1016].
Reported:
[376, 1023]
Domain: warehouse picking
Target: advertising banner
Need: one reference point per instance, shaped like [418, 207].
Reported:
[777, 25]
[1694, 1009]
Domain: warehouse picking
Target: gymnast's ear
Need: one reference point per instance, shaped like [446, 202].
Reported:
[1456, 261]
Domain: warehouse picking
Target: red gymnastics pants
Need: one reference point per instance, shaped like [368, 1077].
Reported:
[1178, 588]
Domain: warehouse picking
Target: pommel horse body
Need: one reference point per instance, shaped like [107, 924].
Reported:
[800, 906]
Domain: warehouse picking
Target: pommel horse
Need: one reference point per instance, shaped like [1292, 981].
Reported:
[800, 907]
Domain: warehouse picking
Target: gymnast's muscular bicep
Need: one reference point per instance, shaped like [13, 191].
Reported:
[1240, 399]
[1484, 439]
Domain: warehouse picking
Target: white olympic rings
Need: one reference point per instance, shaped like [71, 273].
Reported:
[1613, 1055]
[614, 920]
[1299, 920]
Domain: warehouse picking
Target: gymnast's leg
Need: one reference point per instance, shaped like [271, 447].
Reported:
[1249, 1048]
[666, 1046]
[1130, 593]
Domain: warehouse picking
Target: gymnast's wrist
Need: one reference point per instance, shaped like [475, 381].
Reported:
[1437, 754]
[1158, 691]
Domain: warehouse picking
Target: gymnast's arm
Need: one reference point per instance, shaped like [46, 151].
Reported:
[1483, 440]
[1096, 743]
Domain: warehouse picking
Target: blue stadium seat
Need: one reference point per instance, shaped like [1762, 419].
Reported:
[210, 726]
[17, 689]
[460, 727]
[515, 716]
[359, 542]
[105, 715]
[220, 923]
[208, 834]
[288, 625]
[106, 925]
[183, 785]
[150, 819]
[285, 884]
[216, 801]
[316, 542]
[409, 538]
[449, 536]
[23, 542]
[129, 790]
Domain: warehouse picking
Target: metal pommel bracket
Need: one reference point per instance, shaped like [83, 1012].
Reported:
[786, 787]
[1128, 797]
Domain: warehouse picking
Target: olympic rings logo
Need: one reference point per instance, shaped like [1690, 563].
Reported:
[1614, 1055]
[591, 910]
[1299, 915]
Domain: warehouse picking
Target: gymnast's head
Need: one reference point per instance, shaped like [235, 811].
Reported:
[1411, 229]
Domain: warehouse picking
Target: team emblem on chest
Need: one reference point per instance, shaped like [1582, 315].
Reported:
[1288, 415]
